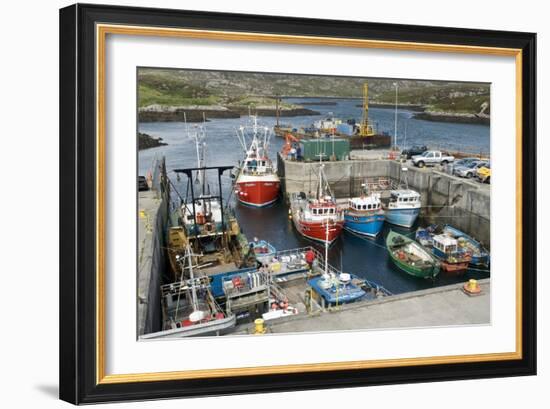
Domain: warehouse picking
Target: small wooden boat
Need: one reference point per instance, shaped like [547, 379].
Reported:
[480, 256]
[453, 259]
[263, 251]
[411, 257]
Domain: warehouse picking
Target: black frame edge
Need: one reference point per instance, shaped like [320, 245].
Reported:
[529, 199]
[77, 205]
[68, 374]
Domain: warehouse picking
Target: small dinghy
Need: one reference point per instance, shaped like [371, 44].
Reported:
[263, 251]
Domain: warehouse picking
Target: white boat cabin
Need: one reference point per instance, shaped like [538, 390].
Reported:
[445, 244]
[317, 210]
[253, 166]
[207, 210]
[404, 198]
[365, 203]
[327, 123]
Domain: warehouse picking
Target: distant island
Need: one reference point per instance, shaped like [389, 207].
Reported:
[199, 113]
[175, 95]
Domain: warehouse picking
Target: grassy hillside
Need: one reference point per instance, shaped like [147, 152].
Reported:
[186, 87]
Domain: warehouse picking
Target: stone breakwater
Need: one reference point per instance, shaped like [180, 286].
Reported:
[196, 113]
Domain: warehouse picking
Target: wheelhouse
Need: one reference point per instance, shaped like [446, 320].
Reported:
[445, 244]
[321, 211]
[362, 205]
[405, 197]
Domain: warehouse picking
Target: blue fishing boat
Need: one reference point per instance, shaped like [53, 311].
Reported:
[364, 215]
[480, 256]
[403, 208]
[337, 288]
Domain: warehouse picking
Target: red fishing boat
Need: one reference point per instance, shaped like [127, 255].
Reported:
[257, 183]
[317, 217]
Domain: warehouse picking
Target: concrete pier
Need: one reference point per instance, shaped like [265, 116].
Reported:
[445, 198]
[440, 306]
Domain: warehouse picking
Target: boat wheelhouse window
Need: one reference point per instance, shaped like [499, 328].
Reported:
[369, 207]
[331, 211]
[314, 211]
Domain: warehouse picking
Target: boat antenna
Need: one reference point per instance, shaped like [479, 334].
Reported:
[396, 85]
[320, 187]
[241, 137]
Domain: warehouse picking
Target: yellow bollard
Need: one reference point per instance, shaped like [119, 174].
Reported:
[259, 327]
[472, 287]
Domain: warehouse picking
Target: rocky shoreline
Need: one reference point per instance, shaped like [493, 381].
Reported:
[198, 113]
[410, 107]
[146, 141]
[421, 112]
[454, 117]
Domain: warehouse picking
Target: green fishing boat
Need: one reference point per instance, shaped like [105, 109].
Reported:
[410, 256]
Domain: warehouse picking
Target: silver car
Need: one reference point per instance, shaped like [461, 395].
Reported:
[468, 170]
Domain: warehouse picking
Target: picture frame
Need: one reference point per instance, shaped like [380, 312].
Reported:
[83, 179]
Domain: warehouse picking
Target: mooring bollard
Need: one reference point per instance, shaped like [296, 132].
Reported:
[472, 287]
[259, 326]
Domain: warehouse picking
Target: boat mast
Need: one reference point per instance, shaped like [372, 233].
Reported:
[203, 149]
[320, 193]
[326, 250]
[192, 280]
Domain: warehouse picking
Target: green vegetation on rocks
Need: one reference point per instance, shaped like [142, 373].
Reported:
[161, 92]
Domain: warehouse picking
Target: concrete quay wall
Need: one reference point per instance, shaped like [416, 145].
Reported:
[445, 199]
[153, 214]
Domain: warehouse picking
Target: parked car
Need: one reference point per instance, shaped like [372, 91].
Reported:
[413, 151]
[484, 173]
[468, 170]
[462, 162]
[142, 183]
[432, 158]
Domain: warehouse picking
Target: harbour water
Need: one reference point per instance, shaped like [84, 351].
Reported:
[364, 257]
